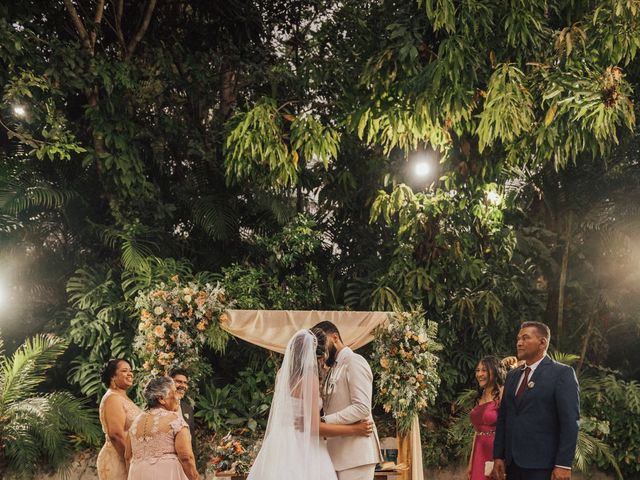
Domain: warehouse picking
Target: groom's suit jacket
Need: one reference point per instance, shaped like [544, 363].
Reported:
[347, 395]
[540, 430]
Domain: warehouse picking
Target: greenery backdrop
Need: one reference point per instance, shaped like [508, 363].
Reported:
[269, 144]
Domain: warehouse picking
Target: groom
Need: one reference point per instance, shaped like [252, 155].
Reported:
[346, 395]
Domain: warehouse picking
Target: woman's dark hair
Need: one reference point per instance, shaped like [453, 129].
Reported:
[496, 371]
[110, 369]
[321, 345]
[327, 327]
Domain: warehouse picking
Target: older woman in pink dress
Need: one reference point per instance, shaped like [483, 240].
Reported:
[490, 375]
[159, 442]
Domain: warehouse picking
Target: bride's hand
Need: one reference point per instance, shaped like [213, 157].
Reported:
[364, 428]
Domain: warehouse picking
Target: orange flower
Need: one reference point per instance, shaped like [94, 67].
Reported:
[159, 331]
[238, 448]
[201, 326]
[175, 279]
[201, 299]
[175, 325]
[145, 314]
[221, 296]
[224, 318]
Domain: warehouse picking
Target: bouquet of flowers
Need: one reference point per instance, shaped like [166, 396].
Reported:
[406, 366]
[176, 319]
[230, 456]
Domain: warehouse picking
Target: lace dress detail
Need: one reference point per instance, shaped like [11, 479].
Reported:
[110, 464]
[153, 451]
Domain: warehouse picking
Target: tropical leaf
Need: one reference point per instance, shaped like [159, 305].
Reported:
[21, 374]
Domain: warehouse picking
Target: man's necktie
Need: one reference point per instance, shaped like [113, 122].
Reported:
[523, 384]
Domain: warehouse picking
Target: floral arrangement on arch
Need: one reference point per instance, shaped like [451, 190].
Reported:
[176, 320]
[406, 366]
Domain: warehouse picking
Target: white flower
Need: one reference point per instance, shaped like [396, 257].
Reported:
[158, 310]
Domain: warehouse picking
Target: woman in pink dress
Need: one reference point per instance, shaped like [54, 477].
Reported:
[490, 375]
[159, 442]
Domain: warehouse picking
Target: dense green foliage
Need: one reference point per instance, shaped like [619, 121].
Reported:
[34, 426]
[269, 145]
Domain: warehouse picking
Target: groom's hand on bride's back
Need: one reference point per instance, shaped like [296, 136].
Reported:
[363, 428]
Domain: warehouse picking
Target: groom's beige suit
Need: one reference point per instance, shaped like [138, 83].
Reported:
[347, 393]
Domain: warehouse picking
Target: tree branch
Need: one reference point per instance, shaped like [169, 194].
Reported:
[143, 28]
[119, 11]
[96, 22]
[77, 22]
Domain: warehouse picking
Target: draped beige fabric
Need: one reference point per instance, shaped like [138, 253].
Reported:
[272, 329]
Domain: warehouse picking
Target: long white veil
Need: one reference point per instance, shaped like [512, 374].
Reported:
[291, 443]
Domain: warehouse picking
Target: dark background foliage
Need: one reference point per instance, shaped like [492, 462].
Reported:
[269, 145]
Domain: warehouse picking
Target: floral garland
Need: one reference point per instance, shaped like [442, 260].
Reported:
[176, 319]
[406, 366]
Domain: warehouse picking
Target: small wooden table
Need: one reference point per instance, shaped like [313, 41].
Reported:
[387, 474]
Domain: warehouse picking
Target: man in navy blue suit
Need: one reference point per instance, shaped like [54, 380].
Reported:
[537, 427]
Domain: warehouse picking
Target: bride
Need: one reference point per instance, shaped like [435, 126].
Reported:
[294, 445]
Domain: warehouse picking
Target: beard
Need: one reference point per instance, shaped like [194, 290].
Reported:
[332, 353]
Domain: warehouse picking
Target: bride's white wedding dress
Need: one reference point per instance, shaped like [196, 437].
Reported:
[292, 448]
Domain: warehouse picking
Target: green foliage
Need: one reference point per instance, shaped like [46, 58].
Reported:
[206, 140]
[282, 273]
[241, 405]
[611, 408]
[267, 137]
[38, 427]
[508, 108]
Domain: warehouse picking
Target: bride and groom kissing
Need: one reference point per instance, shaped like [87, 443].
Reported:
[320, 424]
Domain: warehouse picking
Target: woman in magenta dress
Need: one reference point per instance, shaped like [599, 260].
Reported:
[490, 375]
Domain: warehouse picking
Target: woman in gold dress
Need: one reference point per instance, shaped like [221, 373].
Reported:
[117, 413]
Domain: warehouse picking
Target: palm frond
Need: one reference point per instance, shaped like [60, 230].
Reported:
[215, 217]
[460, 431]
[20, 447]
[85, 372]
[134, 242]
[566, 358]
[44, 426]
[24, 371]
[160, 269]
[589, 448]
[17, 196]
[135, 253]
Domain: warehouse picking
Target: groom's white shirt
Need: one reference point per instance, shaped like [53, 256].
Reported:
[347, 399]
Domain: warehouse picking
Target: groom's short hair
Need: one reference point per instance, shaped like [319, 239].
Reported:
[328, 327]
